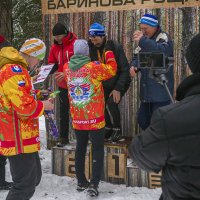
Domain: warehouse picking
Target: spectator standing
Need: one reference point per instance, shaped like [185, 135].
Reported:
[152, 94]
[171, 142]
[60, 53]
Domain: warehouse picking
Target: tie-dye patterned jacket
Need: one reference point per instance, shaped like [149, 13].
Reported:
[84, 79]
[19, 111]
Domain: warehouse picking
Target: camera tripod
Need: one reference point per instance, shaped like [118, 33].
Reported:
[163, 81]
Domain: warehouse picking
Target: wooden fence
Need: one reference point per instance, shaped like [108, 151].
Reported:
[180, 23]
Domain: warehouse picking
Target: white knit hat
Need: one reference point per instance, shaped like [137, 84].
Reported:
[34, 47]
[81, 47]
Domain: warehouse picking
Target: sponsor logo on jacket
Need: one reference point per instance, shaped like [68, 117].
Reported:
[16, 69]
[21, 83]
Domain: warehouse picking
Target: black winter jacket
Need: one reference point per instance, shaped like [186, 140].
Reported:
[122, 80]
[172, 144]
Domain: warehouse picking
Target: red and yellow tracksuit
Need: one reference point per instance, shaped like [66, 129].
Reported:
[19, 111]
[86, 96]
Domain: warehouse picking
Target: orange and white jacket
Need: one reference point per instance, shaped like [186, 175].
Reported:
[19, 111]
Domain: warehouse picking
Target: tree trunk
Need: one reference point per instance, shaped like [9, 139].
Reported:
[99, 17]
[188, 22]
[6, 28]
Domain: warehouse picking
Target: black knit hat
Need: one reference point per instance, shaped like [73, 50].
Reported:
[59, 29]
[193, 54]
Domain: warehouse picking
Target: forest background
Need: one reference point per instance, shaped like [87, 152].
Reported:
[20, 20]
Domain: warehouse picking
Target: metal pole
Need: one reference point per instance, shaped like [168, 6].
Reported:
[164, 81]
[168, 92]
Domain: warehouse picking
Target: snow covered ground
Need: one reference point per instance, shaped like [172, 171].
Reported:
[53, 187]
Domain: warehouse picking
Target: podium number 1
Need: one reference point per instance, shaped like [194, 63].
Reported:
[116, 158]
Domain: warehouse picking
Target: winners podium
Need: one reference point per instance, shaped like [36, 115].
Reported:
[63, 161]
[118, 167]
[115, 161]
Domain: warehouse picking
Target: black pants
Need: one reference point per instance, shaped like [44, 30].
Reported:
[2, 169]
[26, 174]
[146, 110]
[97, 139]
[112, 113]
[64, 113]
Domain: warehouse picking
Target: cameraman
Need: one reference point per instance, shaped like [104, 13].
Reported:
[171, 142]
[152, 94]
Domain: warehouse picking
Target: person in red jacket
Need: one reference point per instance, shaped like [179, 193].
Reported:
[4, 185]
[19, 113]
[60, 53]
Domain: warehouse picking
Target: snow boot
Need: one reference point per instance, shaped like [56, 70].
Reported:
[108, 132]
[82, 186]
[93, 190]
[62, 142]
[116, 135]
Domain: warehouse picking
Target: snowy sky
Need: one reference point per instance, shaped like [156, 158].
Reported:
[53, 187]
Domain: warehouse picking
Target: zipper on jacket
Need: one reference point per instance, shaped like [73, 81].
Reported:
[62, 57]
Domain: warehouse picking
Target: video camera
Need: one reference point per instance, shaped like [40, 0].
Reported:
[154, 61]
[158, 65]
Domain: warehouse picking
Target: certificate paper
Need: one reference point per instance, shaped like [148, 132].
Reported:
[44, 72]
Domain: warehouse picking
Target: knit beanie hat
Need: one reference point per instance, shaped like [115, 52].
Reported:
[59, 29]
[34, 47]
[4, 42]
[81, 47]
[150, 20]
[97, 29]
[193, 54]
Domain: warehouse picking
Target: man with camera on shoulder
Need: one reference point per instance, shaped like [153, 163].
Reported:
[152, 94]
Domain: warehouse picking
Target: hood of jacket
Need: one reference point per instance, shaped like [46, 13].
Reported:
[78, 61]
[188, 87]
[9, 55]
[67, 39]
[158, 31]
